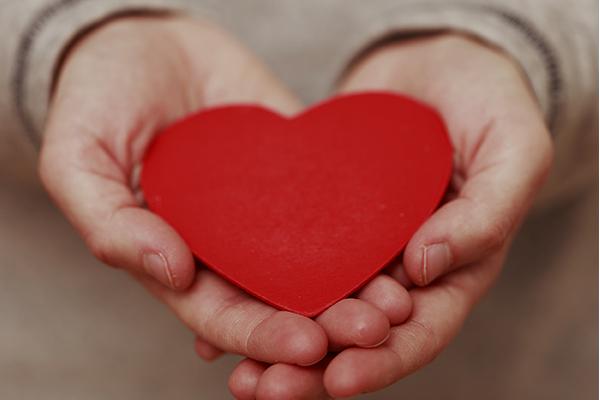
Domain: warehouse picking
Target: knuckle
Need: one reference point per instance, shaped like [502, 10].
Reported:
[100, 248]
[430, 342]
[227, 308]
[427, 333]
[496, 232]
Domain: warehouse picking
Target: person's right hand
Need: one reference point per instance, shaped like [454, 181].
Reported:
[118, 86]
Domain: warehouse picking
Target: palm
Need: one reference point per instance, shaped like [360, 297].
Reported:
[89, 161]
[117, 89]
[502, 154]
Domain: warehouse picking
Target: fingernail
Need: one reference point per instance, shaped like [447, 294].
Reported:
[436, 260]
[155, 264]
[372, 346]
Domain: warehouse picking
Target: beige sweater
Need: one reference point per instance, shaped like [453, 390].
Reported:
[554, 41]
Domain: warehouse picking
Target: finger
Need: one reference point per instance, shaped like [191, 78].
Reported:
[93, 143]
[487, 211]
[439, 312]
[389, 296]
[231, 320]
[206, 351]
[244, 379]
[502, 148]
[92, 190]
[396, 271]
[291, 382]
[353, 322]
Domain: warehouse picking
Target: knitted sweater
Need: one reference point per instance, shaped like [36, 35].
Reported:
[555, 43]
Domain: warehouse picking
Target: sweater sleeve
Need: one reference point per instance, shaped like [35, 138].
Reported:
[35, 34]
[554, 42]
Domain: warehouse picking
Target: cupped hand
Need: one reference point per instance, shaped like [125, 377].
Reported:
[119, 85]
[503, 153]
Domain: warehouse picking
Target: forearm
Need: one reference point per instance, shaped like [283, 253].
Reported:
[36, 34]
[554, 46]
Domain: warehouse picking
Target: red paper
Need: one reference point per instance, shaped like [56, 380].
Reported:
[300, 212]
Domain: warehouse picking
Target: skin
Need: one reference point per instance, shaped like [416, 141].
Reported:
[503, 154]
[118, 86]
[132, 76]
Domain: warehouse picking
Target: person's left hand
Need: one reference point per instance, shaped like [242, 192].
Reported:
[502, 155]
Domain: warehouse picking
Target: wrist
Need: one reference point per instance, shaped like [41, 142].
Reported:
[416, 64]
[122, 26]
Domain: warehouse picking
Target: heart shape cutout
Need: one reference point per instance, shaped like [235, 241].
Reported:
[300, 212]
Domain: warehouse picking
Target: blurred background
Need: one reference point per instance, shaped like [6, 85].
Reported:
[71, 328]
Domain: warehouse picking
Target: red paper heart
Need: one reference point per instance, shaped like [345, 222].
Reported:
[300, 212]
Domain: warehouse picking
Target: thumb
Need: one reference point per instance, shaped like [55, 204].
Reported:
[490, 204]
[92, 189]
